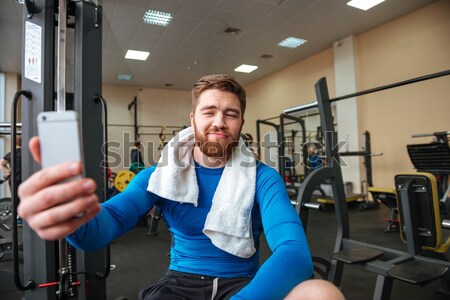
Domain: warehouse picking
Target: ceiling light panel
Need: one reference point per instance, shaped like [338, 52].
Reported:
[138, 55]
[246, 68]
[159, 18]
[126, 77]
[364, 4]
[292, 42]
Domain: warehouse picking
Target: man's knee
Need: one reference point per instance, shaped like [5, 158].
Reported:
[315, 289]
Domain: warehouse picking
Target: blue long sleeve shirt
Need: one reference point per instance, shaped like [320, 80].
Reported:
[193, 252]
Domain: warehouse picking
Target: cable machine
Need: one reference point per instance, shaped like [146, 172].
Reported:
[54, 270]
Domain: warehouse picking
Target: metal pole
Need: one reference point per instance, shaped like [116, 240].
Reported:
[134, 104]
[61, 60]
[60, 107]
[369, 91]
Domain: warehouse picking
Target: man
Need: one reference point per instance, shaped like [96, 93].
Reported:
[135, 154]
[207, 262]
[5, 163]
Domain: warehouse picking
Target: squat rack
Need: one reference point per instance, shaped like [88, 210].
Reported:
[137, 134]
[332, 172]
[281, 138]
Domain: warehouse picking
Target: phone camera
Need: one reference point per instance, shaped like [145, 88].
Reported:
[44, 118]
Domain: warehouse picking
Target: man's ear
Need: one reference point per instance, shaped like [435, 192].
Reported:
[191, 117]
[242, 125]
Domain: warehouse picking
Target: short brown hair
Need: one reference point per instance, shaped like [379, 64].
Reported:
[220, 82]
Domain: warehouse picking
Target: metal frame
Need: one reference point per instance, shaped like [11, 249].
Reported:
[40, 257]
[281, 139]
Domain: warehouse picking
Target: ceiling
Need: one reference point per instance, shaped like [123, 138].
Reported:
[195, 44]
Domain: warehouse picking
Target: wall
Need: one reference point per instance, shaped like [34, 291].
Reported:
[414, 45]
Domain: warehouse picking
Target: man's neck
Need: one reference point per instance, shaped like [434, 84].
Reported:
[209, 162]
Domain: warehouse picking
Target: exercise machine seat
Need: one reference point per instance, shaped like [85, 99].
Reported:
[423, 190]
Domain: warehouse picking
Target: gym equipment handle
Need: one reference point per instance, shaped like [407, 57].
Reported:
[15, 201]
[310, 205]
[103, 274]
[446, 223]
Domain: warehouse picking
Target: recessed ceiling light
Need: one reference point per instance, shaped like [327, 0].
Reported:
[126, 77]
[364, 4]
[246, 68]
[291, 42]
[159, 18]
[138, 55]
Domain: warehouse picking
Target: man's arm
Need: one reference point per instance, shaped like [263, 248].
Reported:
[290, 262]
[119, 214]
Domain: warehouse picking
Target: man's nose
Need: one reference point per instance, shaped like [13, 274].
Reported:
[219, 121]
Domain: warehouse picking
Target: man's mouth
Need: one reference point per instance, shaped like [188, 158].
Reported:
[217, 134]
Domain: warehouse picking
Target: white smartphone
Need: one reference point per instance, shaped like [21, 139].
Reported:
[60, 138]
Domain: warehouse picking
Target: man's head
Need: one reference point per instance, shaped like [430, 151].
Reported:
[219, 82]
[218, 105]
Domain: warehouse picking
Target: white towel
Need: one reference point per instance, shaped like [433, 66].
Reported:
[228, 223]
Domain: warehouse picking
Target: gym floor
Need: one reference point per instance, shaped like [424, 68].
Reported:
[140, 259]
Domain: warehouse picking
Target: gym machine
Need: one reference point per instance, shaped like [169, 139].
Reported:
[55, 270]
[351, 198]
[433, 158]
[386, 263]
[286, 171]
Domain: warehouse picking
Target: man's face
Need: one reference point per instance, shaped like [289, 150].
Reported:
[217, 121]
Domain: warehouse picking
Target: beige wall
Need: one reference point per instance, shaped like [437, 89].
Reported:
[156, 107]
[12, 85]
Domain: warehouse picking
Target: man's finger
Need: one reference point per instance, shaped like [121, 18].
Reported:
[48, 177]
[63, 213]
[66, 228]
[35, 148]
[55, 195]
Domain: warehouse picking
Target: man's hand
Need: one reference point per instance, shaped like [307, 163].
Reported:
[50, 209]
[5, 168]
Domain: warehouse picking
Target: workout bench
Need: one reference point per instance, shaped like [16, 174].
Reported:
[388, 197]
[420, 227]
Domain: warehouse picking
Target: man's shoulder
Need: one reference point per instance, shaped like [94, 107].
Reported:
[265, 170]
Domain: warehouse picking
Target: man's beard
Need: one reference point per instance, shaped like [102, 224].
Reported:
[215, 148]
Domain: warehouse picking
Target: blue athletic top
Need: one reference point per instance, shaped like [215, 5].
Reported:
[193, 252]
